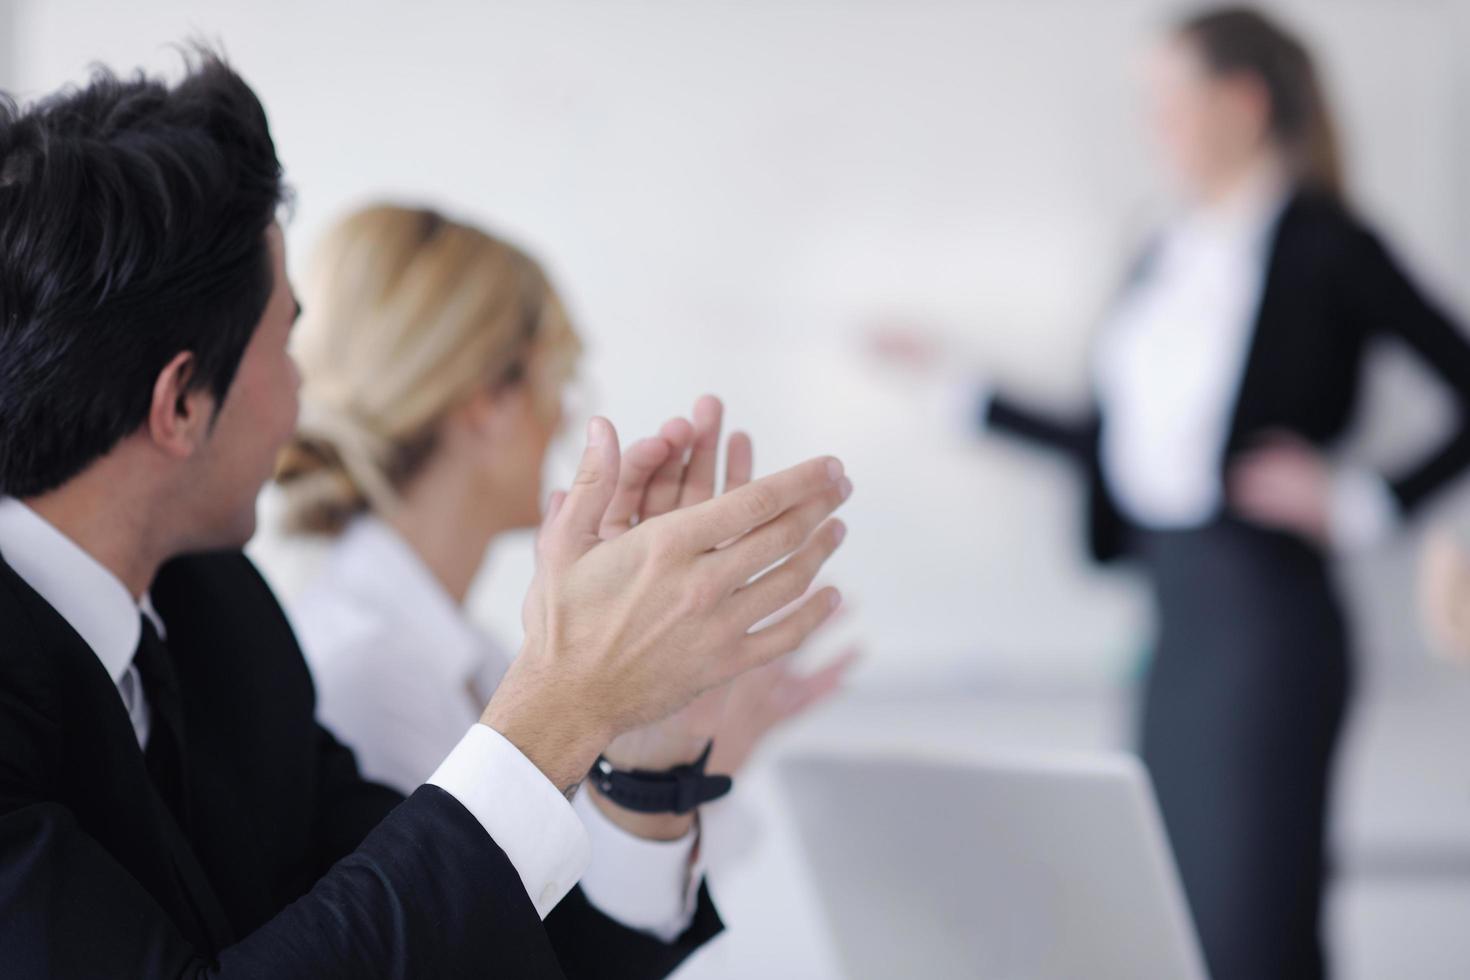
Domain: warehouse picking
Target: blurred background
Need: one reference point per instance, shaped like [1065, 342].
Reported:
[730, 194]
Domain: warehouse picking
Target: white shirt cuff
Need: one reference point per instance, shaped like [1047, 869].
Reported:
[648, 885]
[526, 816]
[1362, 510]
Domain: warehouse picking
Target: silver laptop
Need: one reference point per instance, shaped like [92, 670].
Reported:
[1039, 868]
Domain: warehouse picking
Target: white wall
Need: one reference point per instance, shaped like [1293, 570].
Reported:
[728, 192]
[7, 44]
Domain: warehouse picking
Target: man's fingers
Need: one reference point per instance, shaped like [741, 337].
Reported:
[703, 526]
[739, 466]
[739, 461]
[699, 475]
[769, 543]
[663, 488]
[783, 585]
[580, 515]
[553, 507]
[639, 464]
[842, 610]
[763, 646]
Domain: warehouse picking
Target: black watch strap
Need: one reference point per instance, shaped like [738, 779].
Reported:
[676, 790]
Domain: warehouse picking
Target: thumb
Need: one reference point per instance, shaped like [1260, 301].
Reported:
[573, 529]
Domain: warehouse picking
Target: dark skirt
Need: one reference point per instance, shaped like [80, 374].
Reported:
[1243, 706]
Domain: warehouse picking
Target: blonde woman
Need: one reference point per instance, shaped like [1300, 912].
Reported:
[434, 357]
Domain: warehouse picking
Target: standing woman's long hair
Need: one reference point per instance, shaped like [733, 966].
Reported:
[1242, 40]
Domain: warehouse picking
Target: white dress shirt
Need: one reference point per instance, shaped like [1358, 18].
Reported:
[89, 597]
[1171, 357]
[402, 677]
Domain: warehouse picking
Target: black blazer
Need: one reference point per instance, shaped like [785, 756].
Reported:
[291, 864]
[1330, 287]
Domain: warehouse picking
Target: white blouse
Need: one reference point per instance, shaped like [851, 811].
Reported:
[1171, 357]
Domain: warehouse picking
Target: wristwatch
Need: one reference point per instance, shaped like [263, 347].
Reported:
[676, 790]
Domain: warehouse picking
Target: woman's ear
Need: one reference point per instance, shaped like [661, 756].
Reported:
[180, 414]
[476, 414]
[490, 416]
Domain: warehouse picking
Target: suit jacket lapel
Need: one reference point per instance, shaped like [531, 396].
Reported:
[107, 783]
[1262, 361]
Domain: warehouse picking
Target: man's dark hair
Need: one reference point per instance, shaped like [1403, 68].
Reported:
[132, 228]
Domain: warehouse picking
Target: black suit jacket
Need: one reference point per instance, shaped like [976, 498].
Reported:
[291, 865]
[1330, 288]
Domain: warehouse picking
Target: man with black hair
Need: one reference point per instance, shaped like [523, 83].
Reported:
[168, 805]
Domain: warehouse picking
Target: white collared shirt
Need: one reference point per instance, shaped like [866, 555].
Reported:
[402, 676]
[1172, 354]
[89, 597]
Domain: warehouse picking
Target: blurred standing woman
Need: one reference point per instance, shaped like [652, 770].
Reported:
[1225, 370]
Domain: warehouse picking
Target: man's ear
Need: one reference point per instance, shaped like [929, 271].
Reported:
[179, 416]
